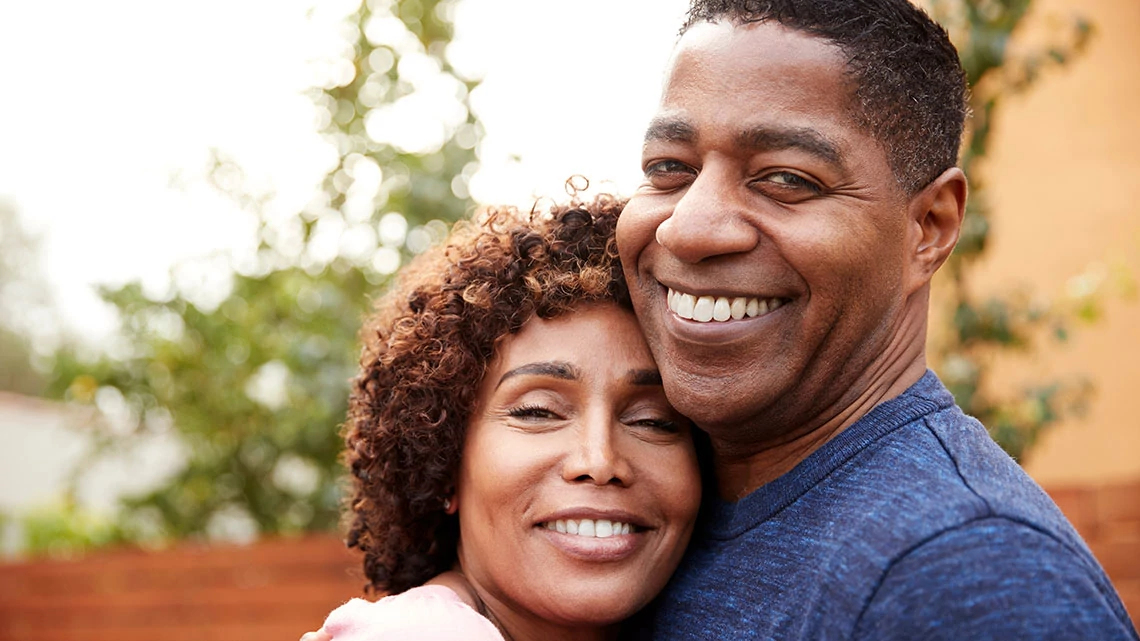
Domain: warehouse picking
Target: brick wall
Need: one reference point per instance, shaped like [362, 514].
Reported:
[272, 591]
[1108, 517]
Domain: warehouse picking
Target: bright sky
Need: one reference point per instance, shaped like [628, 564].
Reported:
[108, 111]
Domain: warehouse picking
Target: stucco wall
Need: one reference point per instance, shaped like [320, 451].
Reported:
[1064, 180]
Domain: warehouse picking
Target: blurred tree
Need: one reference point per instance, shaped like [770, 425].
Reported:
[252, 374]
[249, 358]
[979, 330]
[24, 303]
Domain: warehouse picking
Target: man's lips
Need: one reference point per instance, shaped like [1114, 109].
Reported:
[709, 308]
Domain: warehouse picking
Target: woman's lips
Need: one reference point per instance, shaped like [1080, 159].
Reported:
[598, 528]
[593, 548]
[594, 535]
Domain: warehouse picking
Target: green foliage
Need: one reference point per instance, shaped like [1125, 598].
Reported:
[22, 303]
[252, 366]
[65, 529]
[1016, 321]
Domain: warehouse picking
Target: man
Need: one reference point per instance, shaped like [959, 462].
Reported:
[800, 192]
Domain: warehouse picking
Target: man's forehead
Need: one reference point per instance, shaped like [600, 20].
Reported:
[778, 39]
[757, 61]
[766, 80]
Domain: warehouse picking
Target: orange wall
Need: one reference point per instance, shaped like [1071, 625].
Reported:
[1064, 182]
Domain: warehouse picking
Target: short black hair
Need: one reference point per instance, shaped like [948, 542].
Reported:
[910, 90]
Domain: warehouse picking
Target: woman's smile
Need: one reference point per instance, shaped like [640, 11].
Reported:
[578, 485]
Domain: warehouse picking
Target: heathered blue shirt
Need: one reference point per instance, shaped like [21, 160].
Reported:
[910, 524]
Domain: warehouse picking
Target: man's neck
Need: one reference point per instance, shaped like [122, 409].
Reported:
[741, 470]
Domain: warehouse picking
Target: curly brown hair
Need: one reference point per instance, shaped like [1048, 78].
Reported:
[426, 350]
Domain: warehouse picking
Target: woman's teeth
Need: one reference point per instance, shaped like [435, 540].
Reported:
[704, 309]
[599, 528]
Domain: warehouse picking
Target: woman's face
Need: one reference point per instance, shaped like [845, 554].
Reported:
[578, 486]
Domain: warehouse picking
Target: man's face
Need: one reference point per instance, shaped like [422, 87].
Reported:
[765, 248]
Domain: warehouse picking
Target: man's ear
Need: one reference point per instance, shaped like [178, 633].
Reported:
[935, 215]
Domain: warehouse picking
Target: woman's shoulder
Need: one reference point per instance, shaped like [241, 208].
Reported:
[426, 613]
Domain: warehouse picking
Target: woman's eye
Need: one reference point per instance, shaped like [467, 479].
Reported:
[532, 412]
[659, 424]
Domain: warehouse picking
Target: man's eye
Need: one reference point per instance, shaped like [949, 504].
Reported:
[787, 187]
[667, 174]
[786, 179]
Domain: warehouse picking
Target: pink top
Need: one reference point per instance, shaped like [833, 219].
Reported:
[426, 613]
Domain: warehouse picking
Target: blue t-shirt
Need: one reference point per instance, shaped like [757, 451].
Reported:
[910, 524]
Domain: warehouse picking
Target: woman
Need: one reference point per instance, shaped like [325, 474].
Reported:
[517, 470]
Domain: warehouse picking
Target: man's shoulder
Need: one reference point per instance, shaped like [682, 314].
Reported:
[994, 578]
[946, 459]
[937, 473]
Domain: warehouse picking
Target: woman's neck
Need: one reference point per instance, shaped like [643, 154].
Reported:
[519, 626]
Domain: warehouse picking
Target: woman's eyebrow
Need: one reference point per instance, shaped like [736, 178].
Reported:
[553, 369]
[644, 377]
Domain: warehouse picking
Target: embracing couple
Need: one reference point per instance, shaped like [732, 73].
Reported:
[706, 413]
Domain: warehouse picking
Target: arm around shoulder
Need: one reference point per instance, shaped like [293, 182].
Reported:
[426, 613]
[994, 579]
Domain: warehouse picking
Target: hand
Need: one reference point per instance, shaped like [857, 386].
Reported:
[319, 635]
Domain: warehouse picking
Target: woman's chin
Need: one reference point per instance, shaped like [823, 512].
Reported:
[593, 610]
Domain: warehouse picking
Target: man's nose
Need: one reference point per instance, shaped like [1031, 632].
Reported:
[596, 456]
[710, 219]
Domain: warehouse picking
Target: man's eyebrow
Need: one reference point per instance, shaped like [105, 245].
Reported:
[767, 138]
[553, 369]
[670, 129]
[645, 377]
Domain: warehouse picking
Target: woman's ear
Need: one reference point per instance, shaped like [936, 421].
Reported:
[935, 215]
[450, 505]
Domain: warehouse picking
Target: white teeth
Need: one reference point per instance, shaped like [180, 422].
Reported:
[718, 308]
[604, 529]
[600, 528]
[683, 305]
[703, 311]
[738, 307]
[722, 311]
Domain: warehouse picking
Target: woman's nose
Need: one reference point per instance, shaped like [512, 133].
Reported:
[595, 455]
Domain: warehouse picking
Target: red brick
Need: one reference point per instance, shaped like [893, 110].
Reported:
[1118, 503]
[1079, 506]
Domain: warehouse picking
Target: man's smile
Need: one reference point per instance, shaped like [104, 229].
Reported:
[721, 309]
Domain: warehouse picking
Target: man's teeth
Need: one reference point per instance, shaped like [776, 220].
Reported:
[599, 528]
[704, 309]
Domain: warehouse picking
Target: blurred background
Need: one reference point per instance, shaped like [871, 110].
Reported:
[198, 201]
